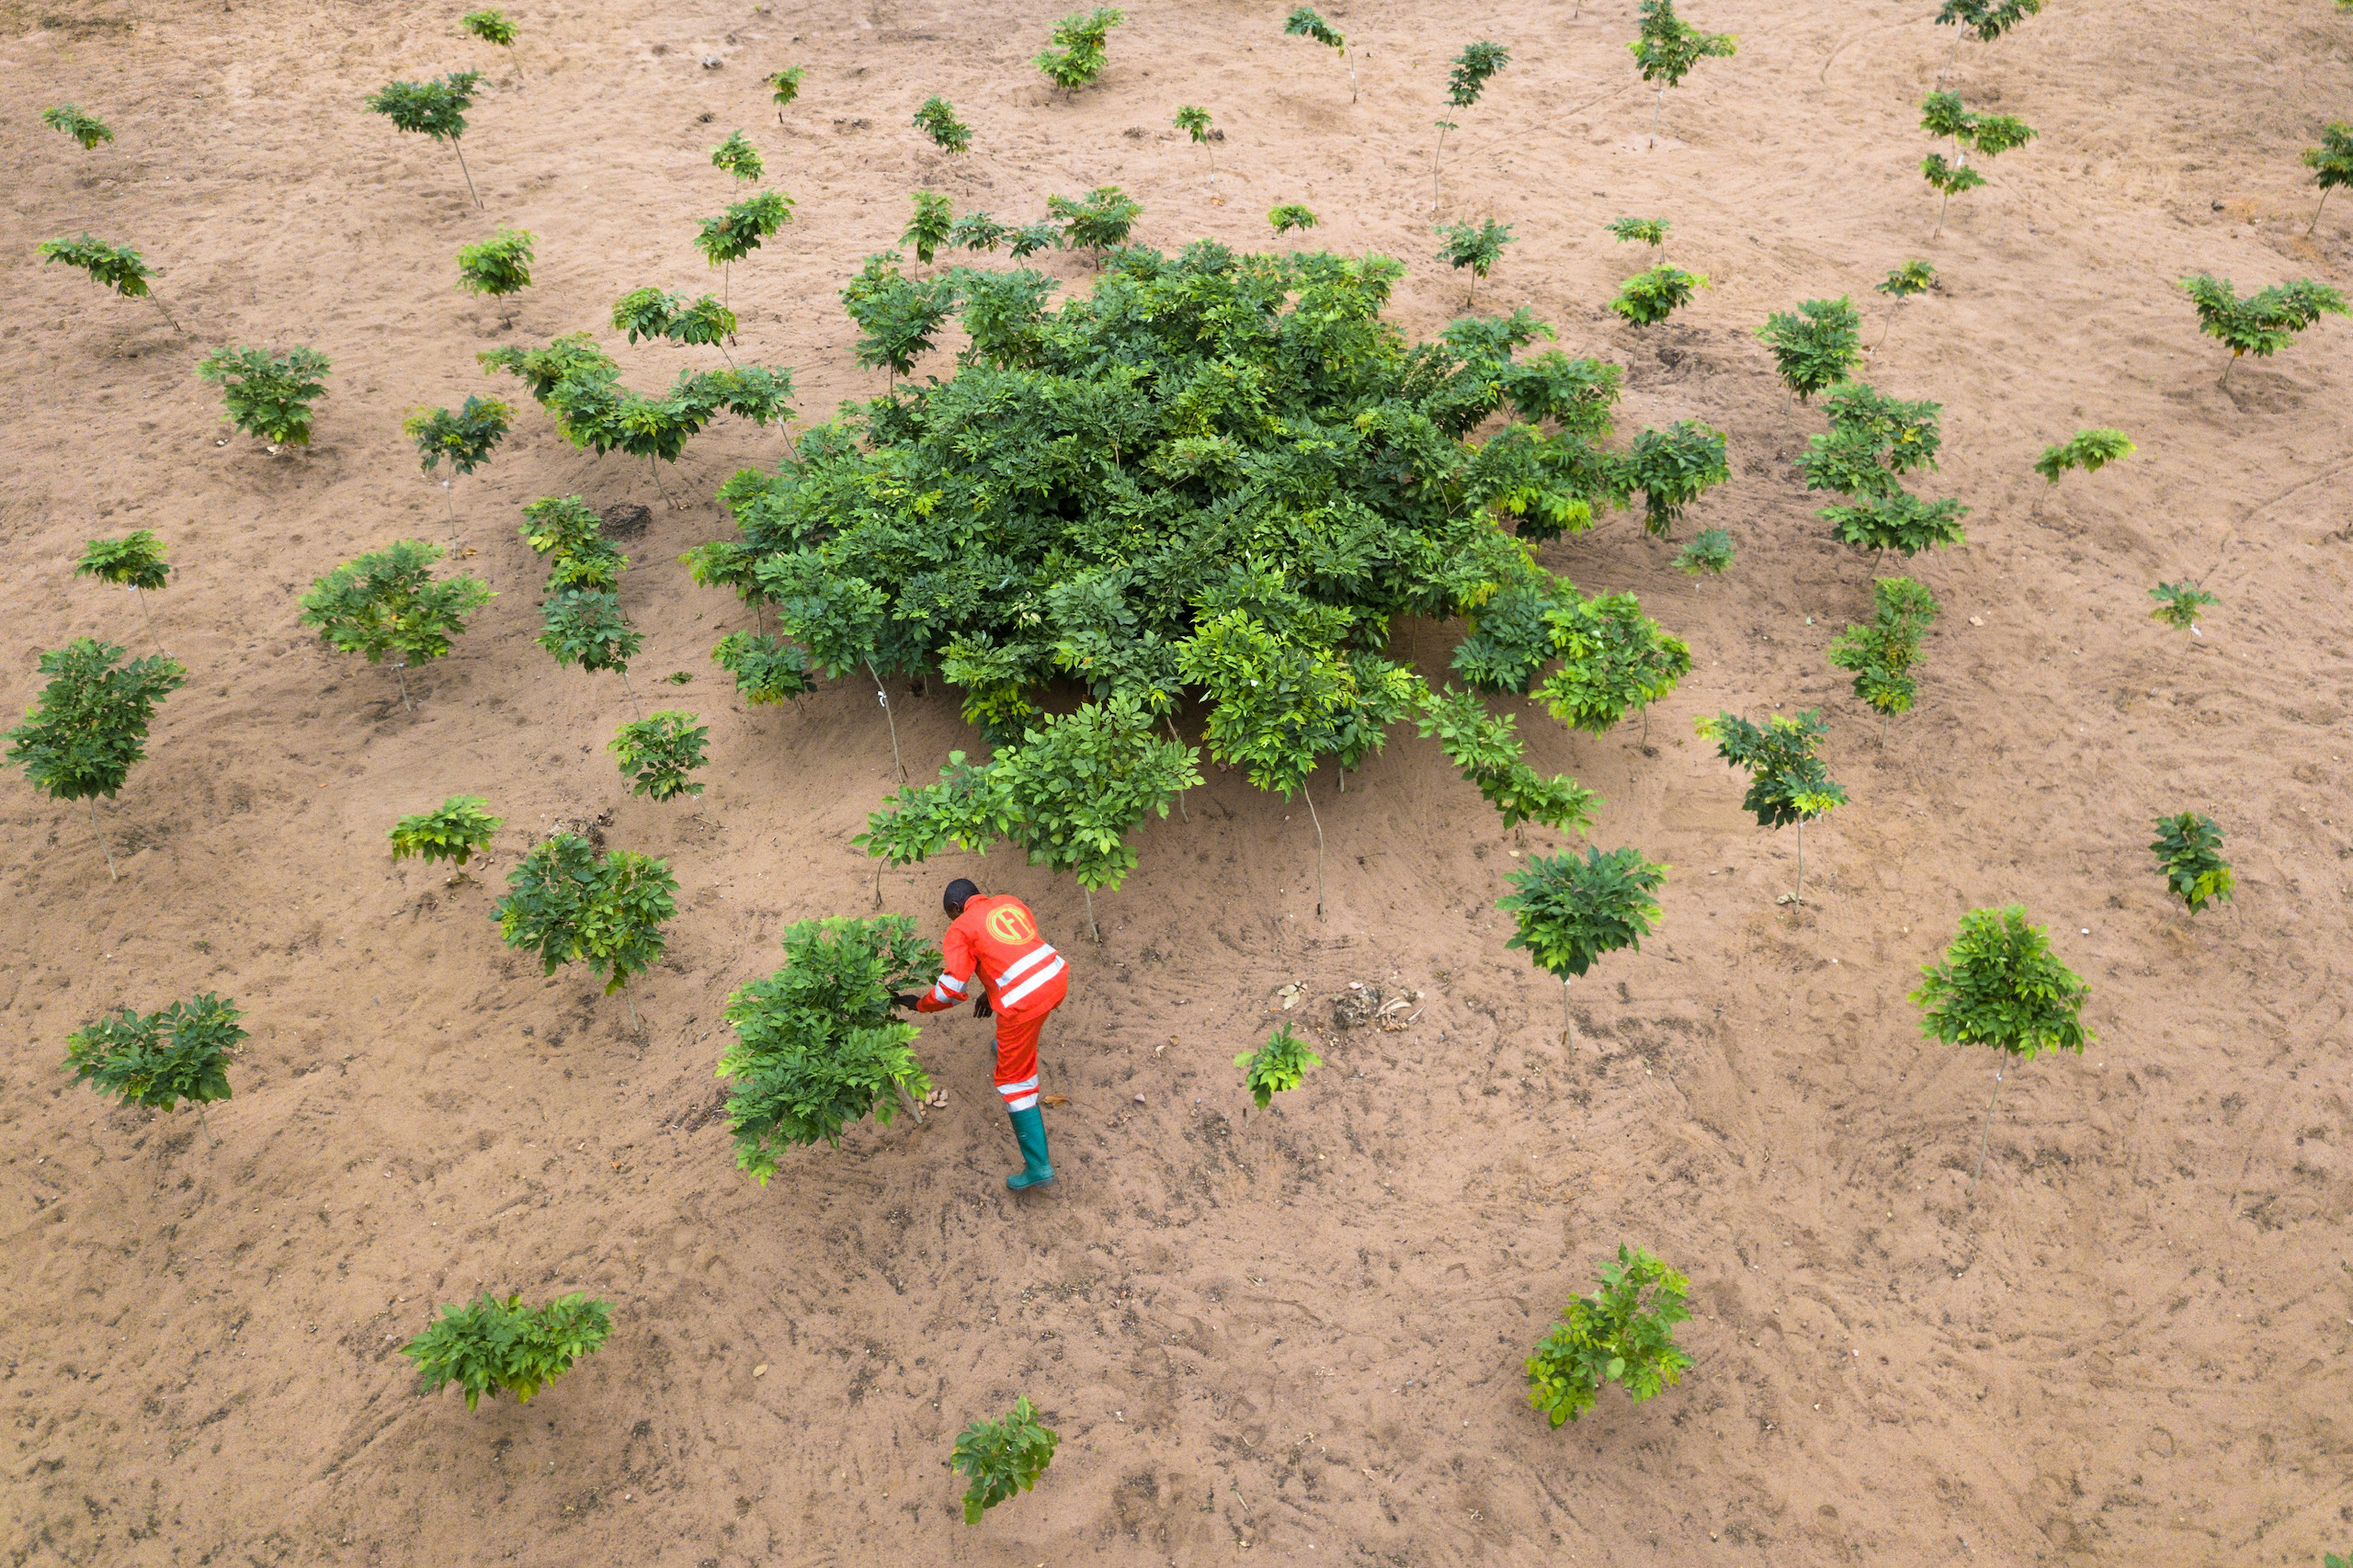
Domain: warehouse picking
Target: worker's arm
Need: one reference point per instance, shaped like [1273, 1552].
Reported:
[961, 962]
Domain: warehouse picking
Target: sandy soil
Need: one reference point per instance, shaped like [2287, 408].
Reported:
[1291, 1336]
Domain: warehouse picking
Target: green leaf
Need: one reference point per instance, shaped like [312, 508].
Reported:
[1005, 1457]
[455, 832]
[2000, 985]
[1570, 911]
[387, 604]
[268, 395]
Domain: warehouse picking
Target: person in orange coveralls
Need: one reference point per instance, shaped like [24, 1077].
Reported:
[994, 938]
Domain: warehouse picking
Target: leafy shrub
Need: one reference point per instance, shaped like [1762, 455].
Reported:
[1872, 441]
[1667, 48]
[1672, 468]
[491, 27]
[135, 560]
[80, 740]
[1651, 232]
[456, 831]
[1477, 247]
[817, 1046]
[657, 753]
[179, 1055]
[466, 437]
[2090, 451]
[2178, 603]
[1002, 1457]
[1881, 654]
[2331, 162]
[1614, 659]
[1290, 216]
[1304, 23]
[572, 538]
[1709, 553]
[1623, 1333]
[1485, 748]
[1988, 19]
[1567, 912]
[387, 603]
[978, 230]
[2184, 849]
[1787, 782]
[898, 315]
[1280, 1063]
[767, 669]
[268, 395]
[494, 1346]
[2264, 322]
[1030, 238]
[1467, 76]
[1902, 282]
[929, 228]
[568, 906]
[937, 118]
[1814, 346]
[2000, 985]
[1101, 221]
[1080, 49]
[586, 627]
[784, 86]
[117, 267]
[1656, 293]
[1900, 522]
[738, 232]
[498, 266]
[738, 157]
[436, 109]
[579, 384]
[88, 129]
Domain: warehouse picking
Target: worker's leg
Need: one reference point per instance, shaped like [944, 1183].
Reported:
[1017, 1081]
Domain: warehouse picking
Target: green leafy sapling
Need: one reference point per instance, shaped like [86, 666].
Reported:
[1484, 747]
[1291, 215]
[1988, 19]
[2179, 604]
[567, 905]
[738, 232]
[1614, 660]
[1475, 246]
[1651, 232]
[1623, 1333]
[658, 752]
[436, 109]
[134, 562]
[490, 1346]
[817, 1044]
[498, 266]
[2331, 162]
[1304, 23]
[1002, 1458]
[88, 129]
[1947, 179]
[1466, 78]
[1814, 346]
[268, 395]
[767, 669]
[1194, 122]
[456, 831]
[2089, 450]
[1656, 293]
[1281, 1063]
[1899, 284]
[1030, 238]
[1568, 912]
[1102, 220]
[937, 119]
[898, 316]
[928, 229]
[117, 267]
[80, 740]
[2185, 849]
[1080, 49]
[584, 626]
[1708, 554]
[1787, 783]
[465, 439]
[738, 157]
[2264, 322]
[1943, 114]
[784, 86]
[978, 230]
[1899, 521]
[387, 604]
[492, 27]
[1667, 47]
[178, 1056]
[1672, 468]
[2001, 985]
[1881, 654]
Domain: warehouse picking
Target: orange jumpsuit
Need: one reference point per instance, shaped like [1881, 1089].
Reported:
[1024, 979]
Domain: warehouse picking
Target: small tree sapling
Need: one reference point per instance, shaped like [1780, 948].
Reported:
[584, 626]
[2264, 322]
[1478, 248]
[658, 752]
[134, 562]
[1080, 50]
[706, 324]
[498, 266]
[2178, 603]
[767, 669]
[1814, 346]
[928, 229]
[1900, 522]
[937, 119]
[1290, 216]
[88, 129]
[1281, 1063]
[1947, 179]
[1672, 468]
[1787, 782]
[738, 157]
[1030, 238]
[1668, 47]
[178, 1056]
[2089, 450]
[1881, 654]
[2331, 162]
[2185, 850]
[456, 831]
[566, 904]
[1709, 553]
[492, 27]
[2001, 985]
[492, 1346]
[1099, 223]
[1623, 1333]
[737, 232]
[117, 267]
[978, 230]
[1651, 232]
[784, 86]
[268, 395]
[1002, 1458]
[1656, 293]
[1614, 659]
[1194, 122]
[898, 315]
[1988, 19]
[1304, 23]
[466, 438]
[1899, 284]
[387, 603]
[80, 740]
[1484, 747]
[436, 109]
[646, 313]
[1570, 911]
[817, 1045]
[1465, 80]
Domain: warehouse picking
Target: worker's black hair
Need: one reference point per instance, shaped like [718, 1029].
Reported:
[960, 892]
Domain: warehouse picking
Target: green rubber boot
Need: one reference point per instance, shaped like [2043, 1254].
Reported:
[1029, 1132]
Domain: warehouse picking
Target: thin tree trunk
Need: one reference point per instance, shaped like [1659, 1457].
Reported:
[655, 464]
[2308, 231]
[907, 1102]
[1433, 163]
[878, 883]
[151, 619]
[1940, 215]
[449, 496]
[401, 681]
[1800, 903]
[176, 327]
[465, 171]
[1090, 894]
[1658, 108]
[631, 1002]
[1352, 87]
[1319, 846]
[1568, 1025]
[2228, 365]
[897, 762]
[631, 692]
[112, 875]
[1180, 741]
[203, 1121]
[1988, 1131]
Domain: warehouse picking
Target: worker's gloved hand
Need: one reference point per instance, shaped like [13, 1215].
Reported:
[904, 999]
[980, 1008]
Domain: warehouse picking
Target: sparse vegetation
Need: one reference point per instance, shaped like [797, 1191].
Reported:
[498, 266]
[1002, 1458]
[1656, 293]
[739, 158]
[387, 604]
[436, 109]
[1305, 23]
[659, 752]
[2264, 322]
[456, 831]
[567, 905]
[1899, 284]
[1667, 47]
[2089, 450]
[2331, 162]
[1477, 247]
[1708, 554]
[268, 395]
[1622, 1334]
[1081, 49]
[134, 562]
[1279, 1064]
[1194, 122]
[88, 129]
[1787, 783]
[1880, 655]
[117, 267]
[177, 1056]
[90, 726]
[2187, 851]
[494, 1346]
[1568, 912]
[2179, 604]
[784, 86]
[1288, 216]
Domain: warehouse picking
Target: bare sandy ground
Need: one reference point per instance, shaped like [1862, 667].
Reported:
[1291, 1336]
